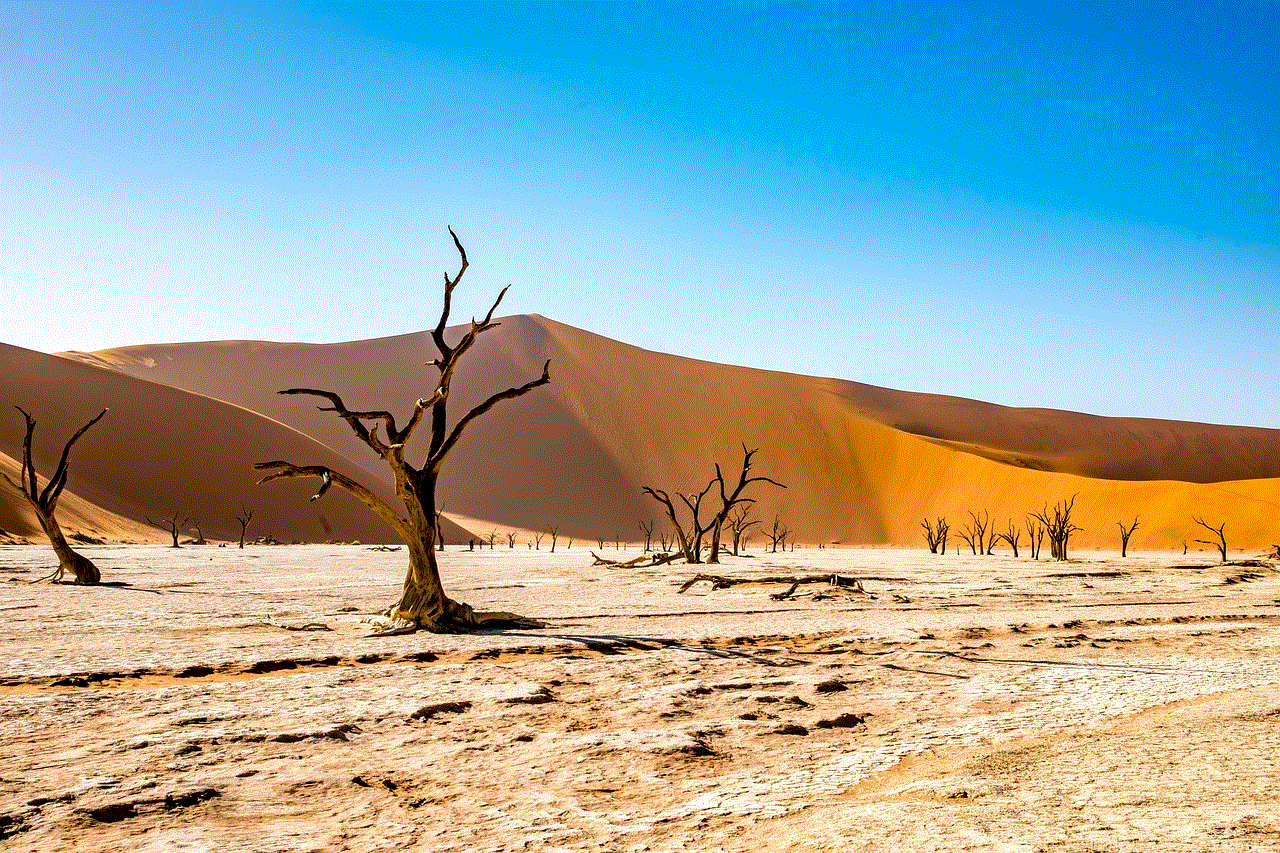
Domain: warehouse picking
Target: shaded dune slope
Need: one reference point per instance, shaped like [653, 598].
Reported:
[862, 464]
[161, 450]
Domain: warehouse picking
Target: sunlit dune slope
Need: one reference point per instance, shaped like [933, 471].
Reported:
[161, 450]
[861, 464]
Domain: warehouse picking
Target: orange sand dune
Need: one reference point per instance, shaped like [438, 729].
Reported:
[161, 450]
[862, 464]
[75, 515]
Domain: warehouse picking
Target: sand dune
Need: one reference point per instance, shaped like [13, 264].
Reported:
[862, 464]
[161, 450]
[75, 515]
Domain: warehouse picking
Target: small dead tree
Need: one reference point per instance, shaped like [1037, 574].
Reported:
[1125, 533]
[423, 603]
[175, 524]
[491, 537]
[45, 503]
[777, 535]
[537, 540]
[1220, 542]
[972, 536]
[1011, 536]
[511, 539]
[664, 540]
[691, 534]
[646, 527]
[935, 534]
[1035, 536]
[553, 532]
[245, 516]
[440, 528]
[981, 533]
[740, 522]
[198, 539]
[1058, 526]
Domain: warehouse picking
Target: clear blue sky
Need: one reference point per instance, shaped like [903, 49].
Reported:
[1059, 204]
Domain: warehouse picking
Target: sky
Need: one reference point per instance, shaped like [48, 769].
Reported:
[1053, 205]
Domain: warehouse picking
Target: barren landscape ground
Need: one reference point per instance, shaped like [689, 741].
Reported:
[234, 700]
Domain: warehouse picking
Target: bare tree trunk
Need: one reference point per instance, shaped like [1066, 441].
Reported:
[714, 557]
[45, 502]
[69, 560]
[423, 603]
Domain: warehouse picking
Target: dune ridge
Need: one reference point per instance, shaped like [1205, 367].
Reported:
[863, 465]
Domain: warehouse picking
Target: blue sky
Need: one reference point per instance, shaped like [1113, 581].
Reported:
[1064, 205]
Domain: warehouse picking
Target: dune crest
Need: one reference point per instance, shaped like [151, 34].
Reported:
[863, 465]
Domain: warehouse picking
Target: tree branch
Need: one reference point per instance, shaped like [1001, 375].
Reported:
[53, 489]
[354, 419]
[284, 470]
[437, 333]
[438, 454]
[31, 490]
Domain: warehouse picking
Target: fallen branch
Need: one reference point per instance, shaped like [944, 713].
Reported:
[654, 560]
[721, 582]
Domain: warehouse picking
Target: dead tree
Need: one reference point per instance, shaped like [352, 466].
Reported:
[740, 522]
[537, 540]
[691, 534]
[663, 540]
[423, 603]
[1058, 526]
[45, 503]
[777, 535]
[935, 534]
[972, 536]
[553, 532]
[1035, 536]
[646, 527]
[980, 533]
[511, 539]
[439, 528]
[730, 498]
[175, 524]
[491, 537]
[245, 516]
[198, 539]
[1220, 543]
[1125, 533]
[1012, 536]
[689, 537]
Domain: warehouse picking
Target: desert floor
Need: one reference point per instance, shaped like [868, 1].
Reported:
[961, 703]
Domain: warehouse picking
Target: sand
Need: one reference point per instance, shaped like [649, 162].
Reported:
[961, 703]
[862, 465]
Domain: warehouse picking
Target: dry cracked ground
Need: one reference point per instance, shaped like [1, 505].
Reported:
[235, 700]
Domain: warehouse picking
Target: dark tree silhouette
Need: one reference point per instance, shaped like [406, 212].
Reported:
[1220, 542]
[691, 534]
[45, 503]
[1058, 526]
[1012, 535]
[646, 527]
[1125, 533]
[1035, 534]
[740, 522]
[935, 534]
[778, 534]
[423, 603]
[175, 524]
[245, 516]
